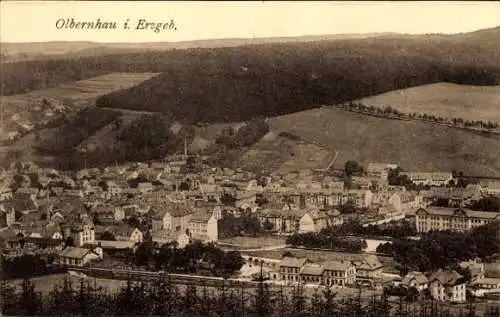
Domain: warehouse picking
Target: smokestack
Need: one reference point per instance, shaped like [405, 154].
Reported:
[185, 146]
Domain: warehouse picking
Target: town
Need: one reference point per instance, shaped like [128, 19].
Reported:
[203, 224]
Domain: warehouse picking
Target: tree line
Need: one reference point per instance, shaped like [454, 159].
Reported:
[441, 249]
[160, 297]
[390, 112]
[399, 229]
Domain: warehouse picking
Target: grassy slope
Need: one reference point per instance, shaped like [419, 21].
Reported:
[444, 100]
[414, 145]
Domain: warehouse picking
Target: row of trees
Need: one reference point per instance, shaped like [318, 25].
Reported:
[399, 229]
[326, 241]
[161, 297]
[394, 113]
[194, 258]
[441, 249]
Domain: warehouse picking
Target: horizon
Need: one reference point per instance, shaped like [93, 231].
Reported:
[264, 37]
[198, 21]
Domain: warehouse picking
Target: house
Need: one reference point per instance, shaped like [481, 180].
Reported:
[126, 233]
[454, 219]
[362, 198]
[369, 271]
[290, 268]
[165, 236]
[341, 273]
[416, 280]
[171, 216]
[487, 283]
[447, 285]
[145, 187]
[476, 268]
[79, 228]
[380, 170]
[204, 227]
[75, 256]
[492, 188]
[313, 220]
[282, 221]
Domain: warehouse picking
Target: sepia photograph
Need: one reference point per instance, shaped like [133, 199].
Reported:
[250, 159]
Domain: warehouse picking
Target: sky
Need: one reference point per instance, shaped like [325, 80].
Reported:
[35, 21]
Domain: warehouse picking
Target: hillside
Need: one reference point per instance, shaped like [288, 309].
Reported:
[279, 79]
[444, 100]
[323, 70]
[414, 145]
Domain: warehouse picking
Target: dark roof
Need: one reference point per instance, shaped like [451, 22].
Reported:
[447, 277]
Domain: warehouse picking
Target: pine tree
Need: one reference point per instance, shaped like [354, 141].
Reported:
[262, 302]
[316, 304]
[8, 299]
[191, 300]
[29, 300]
[298, 308]
[330, 307]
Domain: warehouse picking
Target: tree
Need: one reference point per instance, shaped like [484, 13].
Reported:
[29, 300]
[108, 236]
[353, 168]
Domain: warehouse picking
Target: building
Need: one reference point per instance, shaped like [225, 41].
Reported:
[430, 179]
[172, 216]
[203, 227]
[476, 268]
[454, 219]
[126, 233]
[492, 188]
[380, 170]
[290, 268]
[7, 216]
[283, 221]
[341, 273]
[74, 256]
[164, 236]
[416, 280]
[80, 229]
[313, 220]
[312, 273]
[447, 285]
[369, 271]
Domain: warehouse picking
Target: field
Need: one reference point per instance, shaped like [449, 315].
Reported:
[285, 155]
[416, 146]
[253, 243]
[78, 93]
[321, 256]
[443, 100]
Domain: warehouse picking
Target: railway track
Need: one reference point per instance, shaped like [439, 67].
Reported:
[138, 275]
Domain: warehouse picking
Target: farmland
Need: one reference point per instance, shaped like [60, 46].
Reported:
[415, 145]
[444, 100]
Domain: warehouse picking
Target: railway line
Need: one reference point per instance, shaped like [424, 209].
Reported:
[139, 275]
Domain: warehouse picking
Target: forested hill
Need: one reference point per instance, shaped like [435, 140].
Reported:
[238, 83]
[235, 84]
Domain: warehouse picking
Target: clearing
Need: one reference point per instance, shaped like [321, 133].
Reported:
[284, 155]
[443, 100]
